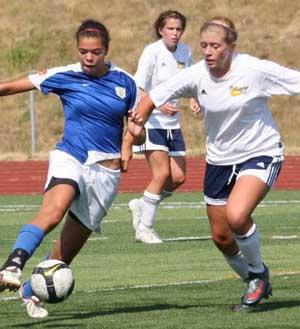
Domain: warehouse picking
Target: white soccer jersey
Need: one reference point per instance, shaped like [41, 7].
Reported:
[238, 122]
[156, 65]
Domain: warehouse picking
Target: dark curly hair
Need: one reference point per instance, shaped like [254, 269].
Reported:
[92, 28]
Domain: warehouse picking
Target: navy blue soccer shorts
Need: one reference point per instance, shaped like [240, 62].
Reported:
[219, 180]
[168, 140]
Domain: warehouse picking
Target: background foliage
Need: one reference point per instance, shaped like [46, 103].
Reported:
[39, 34]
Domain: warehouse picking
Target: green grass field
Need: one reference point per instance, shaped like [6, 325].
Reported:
[182, 283]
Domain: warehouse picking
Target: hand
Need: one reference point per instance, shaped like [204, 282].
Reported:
[126, 156]
[195, 107]
[135, 124]
[168, 109]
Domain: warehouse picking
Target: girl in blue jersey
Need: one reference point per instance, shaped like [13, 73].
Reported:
[244, 148]
[84, 168]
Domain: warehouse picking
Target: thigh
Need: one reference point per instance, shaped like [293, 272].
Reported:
[159, 162]
[246, 194]
[254, 179]
[72, 238]
[217, 219]
[56, 202]
[178, 166]
[60, 196]
[178, 173]
[221, 232]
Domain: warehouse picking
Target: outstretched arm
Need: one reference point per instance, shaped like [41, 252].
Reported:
[194, 106]
[138, 118]
[16, 86]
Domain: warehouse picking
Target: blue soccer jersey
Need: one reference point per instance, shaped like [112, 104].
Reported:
[94, 109]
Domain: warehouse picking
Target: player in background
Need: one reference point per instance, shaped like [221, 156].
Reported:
[244, 147]
[164, 148]
[84, 169]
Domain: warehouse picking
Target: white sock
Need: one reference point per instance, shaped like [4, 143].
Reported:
[149, 206]
[239, 264]
[249, 244]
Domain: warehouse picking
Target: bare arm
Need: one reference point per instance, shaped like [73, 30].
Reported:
[168, 108]
[16, 86]
[128, 141]
[194, 106]
[126, 152]
[138, 118]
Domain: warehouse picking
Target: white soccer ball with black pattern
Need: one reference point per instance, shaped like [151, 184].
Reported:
[52, 281]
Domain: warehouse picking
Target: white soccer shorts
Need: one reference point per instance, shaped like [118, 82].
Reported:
[98, 187]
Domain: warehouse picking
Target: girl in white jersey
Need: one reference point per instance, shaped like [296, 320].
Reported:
[164, 148]
[84, 169]
[244, 149]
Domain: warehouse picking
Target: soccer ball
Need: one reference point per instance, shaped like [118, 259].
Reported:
[52, 281]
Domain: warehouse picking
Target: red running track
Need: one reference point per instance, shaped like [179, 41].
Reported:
[28, 177]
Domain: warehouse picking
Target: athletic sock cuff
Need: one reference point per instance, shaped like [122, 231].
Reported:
[251, 231]
[152, 198]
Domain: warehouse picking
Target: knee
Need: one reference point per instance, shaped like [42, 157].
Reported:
[224, 242]
[57, 214]
[162, 175]
[179, 180]
[236, 217]
[52, 215]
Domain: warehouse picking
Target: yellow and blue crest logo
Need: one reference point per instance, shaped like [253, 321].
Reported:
[237, 91]
[121, 92]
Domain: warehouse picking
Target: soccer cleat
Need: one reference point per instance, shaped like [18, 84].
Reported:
[135, 208]
[147, 235]
[34, 307]
[258, 287]
[10, 278]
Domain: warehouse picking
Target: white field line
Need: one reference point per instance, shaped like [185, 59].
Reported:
[180, 283]
[284, 237]
[189, 238]
[205, 237]
[169, 205]
[158, 285]
[112, 221]
[165, 205]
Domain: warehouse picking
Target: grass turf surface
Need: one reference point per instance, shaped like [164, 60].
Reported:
[182, 283]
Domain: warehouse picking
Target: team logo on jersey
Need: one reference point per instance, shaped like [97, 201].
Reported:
[121, 92]
[238, 91]
[180, 65]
